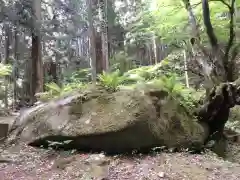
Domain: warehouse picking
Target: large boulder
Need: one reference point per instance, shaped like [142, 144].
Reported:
[137, 119]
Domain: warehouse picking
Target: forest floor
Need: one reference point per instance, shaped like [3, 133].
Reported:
[22, 162]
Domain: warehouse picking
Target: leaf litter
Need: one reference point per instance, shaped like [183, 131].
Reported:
[21, 162]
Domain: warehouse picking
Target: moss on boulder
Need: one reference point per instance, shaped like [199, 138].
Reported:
[137, 119]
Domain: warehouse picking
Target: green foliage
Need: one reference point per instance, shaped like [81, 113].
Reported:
[82, 76]
[54, 91]
[169, 20]
[170, 82]
[121, 62]
[110, 81]
[113, 81]
[138, 75]
[187, 97]
[147, 73]
[5, 70]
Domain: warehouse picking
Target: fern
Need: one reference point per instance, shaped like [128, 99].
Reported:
[111, 81]
[55, 91]
[53, 87]
[177, 91]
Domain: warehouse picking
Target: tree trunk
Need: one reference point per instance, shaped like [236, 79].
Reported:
[103, 7]
[185, 67]
[221, 67]
[92, 42]
[215, 110]
[37, 67]
[15, 66]
[155, 49]
[57, 75]
[214, 114]
[7, 56]
[99, 54]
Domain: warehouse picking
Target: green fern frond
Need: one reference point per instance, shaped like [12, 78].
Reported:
[110, 81]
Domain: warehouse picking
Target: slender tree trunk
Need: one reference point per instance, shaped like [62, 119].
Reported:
[57, 75]
[236, 18]
[15, 66]
[155, 49]
[185, 67]
[7, 56]
[150, 54]
[92, 42]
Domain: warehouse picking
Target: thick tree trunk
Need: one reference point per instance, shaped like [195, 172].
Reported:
[215, 111]
[104, 33]
[36, 65]
[37, 75]
[214, 114]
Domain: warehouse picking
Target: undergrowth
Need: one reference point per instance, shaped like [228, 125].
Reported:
[110, 81]
[113, 81]
[55, 91]
[187, 97]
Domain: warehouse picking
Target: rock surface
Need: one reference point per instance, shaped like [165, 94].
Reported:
[5, 126]
[117, 122]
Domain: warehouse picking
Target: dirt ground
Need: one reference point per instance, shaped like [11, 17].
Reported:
[22, 162]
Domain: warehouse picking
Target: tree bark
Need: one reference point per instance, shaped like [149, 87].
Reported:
[99, 54]
[7, 56]
[215, 110]
[92, 42]
[155, 50]
[103, 6]
[37, 66]
[15, 65]
[186, 68]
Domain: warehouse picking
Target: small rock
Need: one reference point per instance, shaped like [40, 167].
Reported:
[161, 174]
[87, 122]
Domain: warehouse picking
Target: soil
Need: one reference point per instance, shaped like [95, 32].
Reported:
[21, 162]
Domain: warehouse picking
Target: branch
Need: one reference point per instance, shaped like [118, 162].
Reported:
[196, 72]
[195, 26]
[231, 32]
[175, 45]
[225, 3]
[208, 25]
[222, 1]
